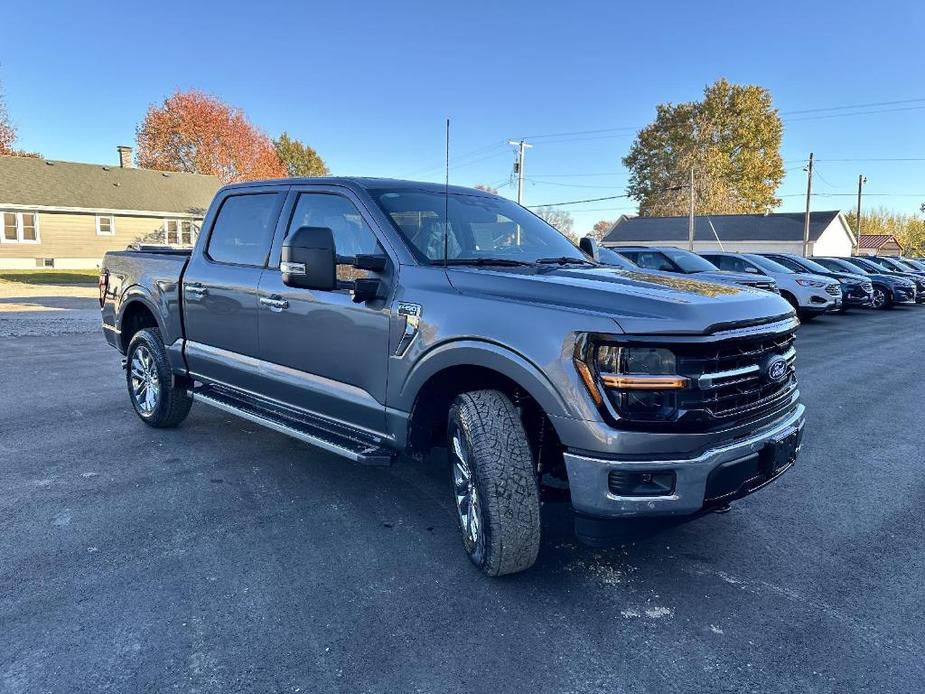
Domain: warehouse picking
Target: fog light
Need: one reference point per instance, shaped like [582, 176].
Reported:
[624, 483]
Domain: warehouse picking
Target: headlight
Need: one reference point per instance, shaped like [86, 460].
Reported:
[635, 360]
[639, 382]
[847, 282]
[810, 283]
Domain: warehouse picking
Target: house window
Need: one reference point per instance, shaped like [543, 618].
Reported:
[45, 262]
[105, 225]
[172, 232]
[180, 232]
[20, 227]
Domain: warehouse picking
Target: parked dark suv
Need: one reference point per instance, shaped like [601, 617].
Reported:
[875, 264]
[888, 289]
[857, 289]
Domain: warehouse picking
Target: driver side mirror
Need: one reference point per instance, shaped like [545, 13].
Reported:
[309, 259]
[589, 246]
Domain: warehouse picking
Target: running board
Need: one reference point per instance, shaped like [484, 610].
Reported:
[334, 438]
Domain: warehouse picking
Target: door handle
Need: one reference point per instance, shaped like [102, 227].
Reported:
[196, 289]
[274, 303]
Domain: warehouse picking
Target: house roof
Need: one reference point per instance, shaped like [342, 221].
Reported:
[778, 226]
[40, 182]
[877, 240]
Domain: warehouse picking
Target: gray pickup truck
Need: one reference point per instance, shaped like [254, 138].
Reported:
[373, 317]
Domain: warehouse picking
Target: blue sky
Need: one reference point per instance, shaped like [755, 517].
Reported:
[369, 84]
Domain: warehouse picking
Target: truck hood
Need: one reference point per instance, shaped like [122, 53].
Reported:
[640, 302]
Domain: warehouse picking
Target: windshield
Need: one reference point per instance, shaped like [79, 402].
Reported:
[813, 266]
[481, 228]
[897, 264]
[861, 270]
[767, 264]
[689, 262]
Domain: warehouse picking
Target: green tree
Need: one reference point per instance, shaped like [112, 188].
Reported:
[908, 229]
[298, 158]
[731, 139]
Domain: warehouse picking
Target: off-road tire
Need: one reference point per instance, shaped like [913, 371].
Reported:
[503, 470]
[173, 400]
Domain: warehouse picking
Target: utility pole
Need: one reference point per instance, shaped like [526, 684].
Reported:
[862, 179]
[690, 217]
[519, 167]
[809, 194]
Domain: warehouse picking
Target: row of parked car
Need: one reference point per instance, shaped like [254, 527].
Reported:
[813, 286]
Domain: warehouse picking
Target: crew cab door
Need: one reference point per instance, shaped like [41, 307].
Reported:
[320, 351]
[220, 288]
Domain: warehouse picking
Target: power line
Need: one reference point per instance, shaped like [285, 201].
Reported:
[578, 202]
[850, 106]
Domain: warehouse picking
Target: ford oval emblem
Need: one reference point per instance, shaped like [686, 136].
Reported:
[777, 369]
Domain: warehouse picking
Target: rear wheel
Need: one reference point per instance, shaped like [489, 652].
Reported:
[157, 399]
[494, 485]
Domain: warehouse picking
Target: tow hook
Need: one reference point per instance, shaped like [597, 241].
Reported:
[124, 361]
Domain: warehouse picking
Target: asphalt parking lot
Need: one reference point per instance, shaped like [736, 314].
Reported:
[220, 557]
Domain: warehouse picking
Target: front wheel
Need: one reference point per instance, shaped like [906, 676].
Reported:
[494, 485]
[881, 299]
[156, 398]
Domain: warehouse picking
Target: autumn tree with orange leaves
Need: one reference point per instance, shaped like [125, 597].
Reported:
[196, 133]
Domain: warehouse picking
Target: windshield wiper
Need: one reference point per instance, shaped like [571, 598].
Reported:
[507, 262]
[562, 260]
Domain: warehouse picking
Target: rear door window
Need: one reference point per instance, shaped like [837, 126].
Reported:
[243, 230]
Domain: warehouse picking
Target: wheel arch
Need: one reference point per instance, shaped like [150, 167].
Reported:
[431, 388]
[136, 313]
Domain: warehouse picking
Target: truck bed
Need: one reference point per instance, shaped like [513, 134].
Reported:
[151, 274]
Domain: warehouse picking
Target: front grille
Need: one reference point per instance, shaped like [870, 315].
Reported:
[731, 379]
[833, 289]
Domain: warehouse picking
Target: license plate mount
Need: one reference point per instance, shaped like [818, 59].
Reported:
[780, 452]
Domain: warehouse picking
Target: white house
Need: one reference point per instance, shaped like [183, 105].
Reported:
[782, 232]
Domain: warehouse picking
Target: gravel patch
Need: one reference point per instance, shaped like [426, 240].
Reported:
[33, 309]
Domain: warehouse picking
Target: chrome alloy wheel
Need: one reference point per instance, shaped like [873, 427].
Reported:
[146, 387]
[879, 298]
[468, 506]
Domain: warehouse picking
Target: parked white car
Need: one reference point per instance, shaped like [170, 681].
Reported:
[809, 294]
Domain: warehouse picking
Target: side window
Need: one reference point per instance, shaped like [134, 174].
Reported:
[728, 262]
[654, 261]
[243, 230]
[352, 236]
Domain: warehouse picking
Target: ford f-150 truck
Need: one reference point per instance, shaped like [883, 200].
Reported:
[373, 317]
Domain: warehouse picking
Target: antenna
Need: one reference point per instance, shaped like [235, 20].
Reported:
[446, 198]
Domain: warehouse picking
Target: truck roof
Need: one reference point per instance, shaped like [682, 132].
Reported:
[362, 182]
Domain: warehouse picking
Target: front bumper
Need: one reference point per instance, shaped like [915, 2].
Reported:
[693, 487]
